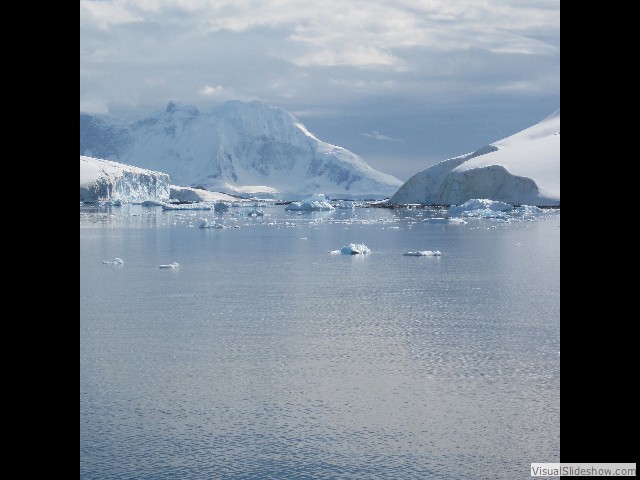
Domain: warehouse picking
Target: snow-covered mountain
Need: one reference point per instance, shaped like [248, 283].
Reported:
[523, 169]
[236, 147]
[106, 180]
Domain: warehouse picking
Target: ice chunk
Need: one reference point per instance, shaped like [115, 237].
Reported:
[208, 224]
[254, 212]
[315, 202]
[353, 249]
[186, 206]
[423, 253]
[115, 261]
[449, 221]
[347, 204]
[482, 208]
[221, 207]
[170, 265]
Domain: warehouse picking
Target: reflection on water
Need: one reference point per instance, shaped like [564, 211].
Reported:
[263, 356]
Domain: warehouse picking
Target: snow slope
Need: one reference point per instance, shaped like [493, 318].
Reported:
[106, 181]
[235, 147]
[521, 169]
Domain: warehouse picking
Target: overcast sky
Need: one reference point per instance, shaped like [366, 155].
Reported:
[402, 83]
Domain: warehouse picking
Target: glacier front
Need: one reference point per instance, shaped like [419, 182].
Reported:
[238, 148]
[521, 169]
[104, 180]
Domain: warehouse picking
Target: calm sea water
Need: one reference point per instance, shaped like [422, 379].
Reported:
[262, 356]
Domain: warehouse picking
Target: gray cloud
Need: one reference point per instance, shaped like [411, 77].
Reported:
[363, 59]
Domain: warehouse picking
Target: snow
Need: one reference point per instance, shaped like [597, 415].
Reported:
[352, 249]
[235, 147]
[189, 194]
[316, 202]
[423, 253]
[521, 169]
[117, 183]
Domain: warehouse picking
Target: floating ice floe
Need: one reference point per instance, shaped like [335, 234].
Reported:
[423, 253]
[170, 265]
[449, 221]
[254, 212]
[481, 208]
[353, 249]
[347, 204]
[115, 261]
[208, 224]
[186, 206]
[313, 203]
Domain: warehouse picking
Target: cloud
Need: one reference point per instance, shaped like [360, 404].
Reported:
[381, 136]
[208, 90]
[362, 60]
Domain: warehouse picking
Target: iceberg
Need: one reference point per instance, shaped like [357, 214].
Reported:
[170, 265]
[423, 253]
[254, 212]
[353, 249]
[316, 202]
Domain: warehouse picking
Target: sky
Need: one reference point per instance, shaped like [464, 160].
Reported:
[402, 83]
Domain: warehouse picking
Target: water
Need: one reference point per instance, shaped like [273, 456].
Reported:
[262, 356]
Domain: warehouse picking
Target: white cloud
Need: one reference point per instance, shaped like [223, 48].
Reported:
[208, 90]
[380, 136]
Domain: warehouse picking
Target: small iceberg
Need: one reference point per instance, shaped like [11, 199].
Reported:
[353, 249]
[316, 202]
[152, 203]
[170, 265]
[423, 253]
[115, 261]
[208, 224]
[220, 207]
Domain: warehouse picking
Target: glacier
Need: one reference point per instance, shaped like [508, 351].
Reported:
[104, 180]
[236, 148]
[521, 169]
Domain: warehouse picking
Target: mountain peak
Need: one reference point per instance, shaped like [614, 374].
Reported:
[236, 147]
